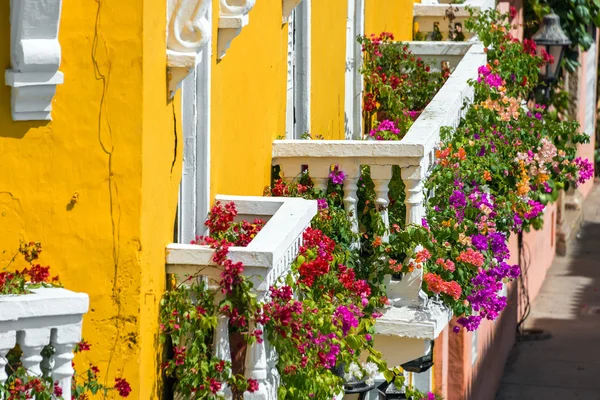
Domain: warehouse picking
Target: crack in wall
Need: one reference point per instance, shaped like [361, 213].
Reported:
[113, 191]
[174, 133]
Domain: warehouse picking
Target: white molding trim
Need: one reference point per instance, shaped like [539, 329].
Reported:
[232, 18]
[194, 192]
[287, 7]
[303, 68]
[188, 30]
[34, 57]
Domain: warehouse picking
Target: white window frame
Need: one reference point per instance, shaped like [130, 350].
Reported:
[299, 71]
[194, 192]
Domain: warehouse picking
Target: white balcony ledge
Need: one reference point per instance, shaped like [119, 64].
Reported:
[47, 316]
[414, 322]
[268, 256]
[429, 12]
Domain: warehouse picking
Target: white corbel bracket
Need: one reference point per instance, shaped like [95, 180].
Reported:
[34, 58]
[188, 30]
[287, 7]
[233, 16]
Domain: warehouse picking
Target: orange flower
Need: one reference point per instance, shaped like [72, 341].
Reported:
[461, 154]
[377, 242]
[487, 176]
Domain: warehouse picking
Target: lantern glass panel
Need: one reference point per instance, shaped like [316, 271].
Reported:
[556, 52]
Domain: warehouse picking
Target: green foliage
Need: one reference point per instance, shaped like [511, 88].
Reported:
[576, 17]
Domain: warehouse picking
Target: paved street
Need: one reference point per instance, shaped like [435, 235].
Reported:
[566, 366]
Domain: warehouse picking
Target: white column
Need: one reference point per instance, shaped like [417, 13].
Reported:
[64, 340]
[256, 368]
[381, 176]
[352, 172]
[318, 171]
[32, 342]
[221, 346]
[413, 178]
[7, 343]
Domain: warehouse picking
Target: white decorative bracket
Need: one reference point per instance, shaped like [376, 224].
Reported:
[233, 16]
[188, 30]
[288, 7]
[34, 58]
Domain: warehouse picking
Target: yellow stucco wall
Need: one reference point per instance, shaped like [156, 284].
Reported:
[248, 102]
[111, 141]
[394, 16]
[328, 63]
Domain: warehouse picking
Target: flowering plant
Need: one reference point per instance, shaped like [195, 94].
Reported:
[22, 385]
[398, 85]
[31, 277]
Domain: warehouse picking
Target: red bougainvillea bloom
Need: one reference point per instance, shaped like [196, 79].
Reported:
[252, 385]
[122, 386]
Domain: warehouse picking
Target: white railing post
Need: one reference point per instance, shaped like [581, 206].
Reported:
[222, 347]
[413, 178]
[381, 176]
[32, 342]
[352, 172]
[319, 173]
[256, 368]
[8, 340]
[64, 340]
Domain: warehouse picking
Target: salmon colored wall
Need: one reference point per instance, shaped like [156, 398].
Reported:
[328, 66]
[468, 381]
[248, 101]
[111, 141]
[394, 16]
[586, 150]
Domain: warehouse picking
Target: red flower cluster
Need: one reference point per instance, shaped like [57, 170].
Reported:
[280, 189]
[437, 285]
[347, 278]
[122, 386]
[529, 46]
[220, 217]
[37, 273]
[317, 252]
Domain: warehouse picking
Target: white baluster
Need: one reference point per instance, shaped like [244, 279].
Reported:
[256, 368]
[381, 176]
[64, 340]
[352, 172]
[221, 346]
[289, 168]
[413, 178]
[32, 342]
[8, 341]
[273, 376]
[319, 173]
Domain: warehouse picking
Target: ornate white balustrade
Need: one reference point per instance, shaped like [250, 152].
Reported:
[47, 317]
[412, 319]
[266, 259]
[430, 13]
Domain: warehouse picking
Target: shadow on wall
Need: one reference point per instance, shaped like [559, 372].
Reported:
[567, 365]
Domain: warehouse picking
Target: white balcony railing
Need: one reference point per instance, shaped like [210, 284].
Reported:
[412, 317]
[267, 258]
[430, 13]
[46, 317]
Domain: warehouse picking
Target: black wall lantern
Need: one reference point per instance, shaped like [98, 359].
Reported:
[553, 40]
